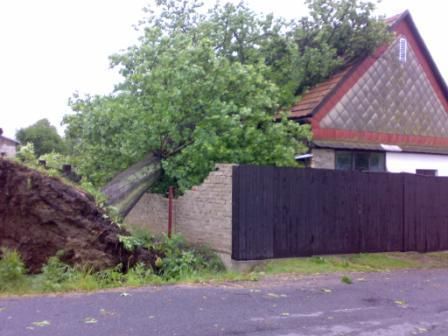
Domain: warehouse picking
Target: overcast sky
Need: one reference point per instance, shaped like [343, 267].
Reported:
[52, 48]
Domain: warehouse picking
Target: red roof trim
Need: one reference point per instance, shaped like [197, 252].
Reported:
[378, 138]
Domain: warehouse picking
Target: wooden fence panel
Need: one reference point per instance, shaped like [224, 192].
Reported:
[332, 220]
[441, 204]
[411, 221]
[253, 213]
[292, 230]
[434, 213]
[382, 209]
[287, 212]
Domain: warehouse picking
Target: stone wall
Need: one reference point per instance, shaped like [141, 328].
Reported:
[202, 215]
[323, 158]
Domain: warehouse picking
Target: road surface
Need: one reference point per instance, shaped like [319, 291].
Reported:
[395, 304]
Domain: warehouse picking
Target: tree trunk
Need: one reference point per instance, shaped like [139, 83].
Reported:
[124, 191]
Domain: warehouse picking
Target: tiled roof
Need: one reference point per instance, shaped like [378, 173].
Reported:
[8, 140]
[312, 98]
[316, 95]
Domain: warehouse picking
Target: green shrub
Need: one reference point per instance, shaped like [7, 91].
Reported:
[87, 186]
[27, 155]
[55, 274]
[176, 259]
[130, 243]
[180, 265]
[12, 270]
[55, 160]
[210, 258]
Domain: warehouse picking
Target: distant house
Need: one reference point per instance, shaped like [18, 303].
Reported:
[387, 112]
[8, 146]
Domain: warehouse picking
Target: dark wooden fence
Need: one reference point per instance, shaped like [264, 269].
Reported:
[287, 212]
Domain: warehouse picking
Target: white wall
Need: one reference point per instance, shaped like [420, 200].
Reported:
[409, 162]
[10, 150]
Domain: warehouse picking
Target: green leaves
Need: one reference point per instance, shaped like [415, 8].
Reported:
[43, 136]
[204, 88]
[337, 33]
[12, 270]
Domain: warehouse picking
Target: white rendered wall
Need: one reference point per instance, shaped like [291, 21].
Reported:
[409, 162]
[10, 150]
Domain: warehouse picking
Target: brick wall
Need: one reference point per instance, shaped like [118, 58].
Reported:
[323, 158]
[202, 215]
[150, 212]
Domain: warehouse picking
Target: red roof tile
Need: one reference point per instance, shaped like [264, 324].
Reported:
[313, 97]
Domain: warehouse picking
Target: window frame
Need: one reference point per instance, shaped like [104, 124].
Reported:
[354, 153]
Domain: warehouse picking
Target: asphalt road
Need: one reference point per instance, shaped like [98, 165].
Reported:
[399, 303]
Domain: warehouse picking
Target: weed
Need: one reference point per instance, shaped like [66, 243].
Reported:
[100, 198]
[130, 243]
[175, 260]
[140, 275]
[55, 273]
[12, 270]
[347, 280]
[110, 278]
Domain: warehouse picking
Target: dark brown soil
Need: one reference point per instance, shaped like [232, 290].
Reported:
[41, 216]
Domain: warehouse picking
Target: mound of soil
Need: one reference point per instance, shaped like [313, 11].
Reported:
[40, 216]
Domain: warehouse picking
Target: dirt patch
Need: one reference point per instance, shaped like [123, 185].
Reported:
[40, 216]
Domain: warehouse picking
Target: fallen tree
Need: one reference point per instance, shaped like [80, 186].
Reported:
[126, 188]
[201, 88]
[41, 216]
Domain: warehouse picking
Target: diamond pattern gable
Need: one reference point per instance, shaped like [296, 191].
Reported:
[391, 97]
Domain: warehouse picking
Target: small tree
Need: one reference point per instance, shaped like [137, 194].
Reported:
[43, 136]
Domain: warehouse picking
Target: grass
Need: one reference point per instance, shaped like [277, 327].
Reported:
[57, 277]
[364, 262]
[175, 262]
[88, 282]
[57, 280]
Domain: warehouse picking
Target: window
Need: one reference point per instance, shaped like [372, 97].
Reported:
[361, 161]
[403, 50]
[344, 160]
[426, 172]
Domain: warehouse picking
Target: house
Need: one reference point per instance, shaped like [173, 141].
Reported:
[387, 112]
[7, 146]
